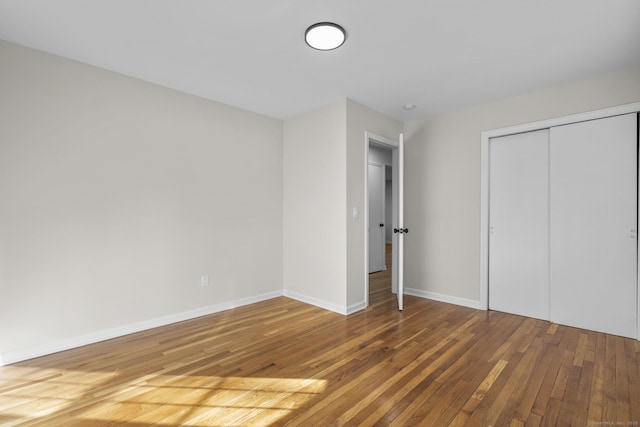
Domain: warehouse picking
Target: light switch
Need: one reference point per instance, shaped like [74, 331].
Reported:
[355, 212]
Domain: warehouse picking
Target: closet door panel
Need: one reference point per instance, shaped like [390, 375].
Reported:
[519, 227]
[593, 222]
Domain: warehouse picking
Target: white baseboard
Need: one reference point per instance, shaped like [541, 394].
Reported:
[443, 298]
[43, 350]
[317, 302]
[356, 307]
[326, 305]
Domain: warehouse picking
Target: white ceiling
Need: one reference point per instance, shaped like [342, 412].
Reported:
[438, 54]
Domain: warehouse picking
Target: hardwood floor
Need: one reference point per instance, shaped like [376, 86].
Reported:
[282, 362]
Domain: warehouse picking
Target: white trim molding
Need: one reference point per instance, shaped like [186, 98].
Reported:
[443, 298]
[353, 308]
[317, 302]
[370, 136]
[67, 344]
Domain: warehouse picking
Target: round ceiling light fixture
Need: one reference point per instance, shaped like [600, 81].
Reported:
[409, 107]
[325, 36]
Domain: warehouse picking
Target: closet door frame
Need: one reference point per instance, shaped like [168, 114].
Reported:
[484, 183]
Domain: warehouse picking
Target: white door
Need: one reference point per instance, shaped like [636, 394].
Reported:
[399, 230]
[593, 225]
[376, 217]
[519, 224]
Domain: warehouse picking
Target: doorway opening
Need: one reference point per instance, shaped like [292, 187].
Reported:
[379, 206]
[382, 213]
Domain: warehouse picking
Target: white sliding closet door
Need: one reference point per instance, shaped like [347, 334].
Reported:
[593, 223]
[519, 224]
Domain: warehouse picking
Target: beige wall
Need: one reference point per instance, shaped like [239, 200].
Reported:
[442, 185]
[359, 120]
[315, 186]
[117, 195]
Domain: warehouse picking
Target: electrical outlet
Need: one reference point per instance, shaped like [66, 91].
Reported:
[204, 281]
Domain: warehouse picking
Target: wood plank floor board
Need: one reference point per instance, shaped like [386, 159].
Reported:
[494, 400]
[551, 413]
[283, 362]
[533, 420]
[633, 363]
[513, 394]
[535, 384]
[622, 381]
[580, 402]
[568, 412]
[549, 374]
[610, 404]
[562, 378]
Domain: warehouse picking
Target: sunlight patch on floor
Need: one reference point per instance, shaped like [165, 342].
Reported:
[208, 400]
[65, 397]
[36, 392]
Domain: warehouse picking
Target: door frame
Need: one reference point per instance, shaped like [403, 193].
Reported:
[393, 145]
[485, 136]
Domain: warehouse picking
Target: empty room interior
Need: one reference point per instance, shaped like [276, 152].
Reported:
[272, 212]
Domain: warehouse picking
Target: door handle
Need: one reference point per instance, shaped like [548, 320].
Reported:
[401, 230]
[381, 225]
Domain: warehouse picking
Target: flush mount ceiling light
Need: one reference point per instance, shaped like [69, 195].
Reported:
[325, 36]
[409, 107]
